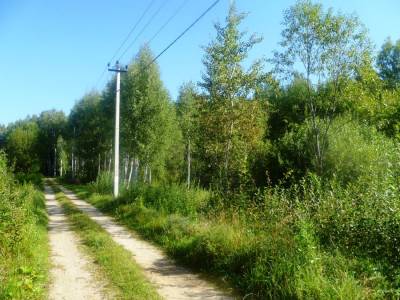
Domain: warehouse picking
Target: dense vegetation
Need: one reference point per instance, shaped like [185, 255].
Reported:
[284, 182]
[23, 239]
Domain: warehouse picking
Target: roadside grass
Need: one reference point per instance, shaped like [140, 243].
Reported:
[117, 263]
[276, 256]
[24, 250]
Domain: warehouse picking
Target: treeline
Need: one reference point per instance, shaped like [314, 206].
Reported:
[238, 128]
[300, 162]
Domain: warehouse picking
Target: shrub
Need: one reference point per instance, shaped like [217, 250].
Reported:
[356, 150]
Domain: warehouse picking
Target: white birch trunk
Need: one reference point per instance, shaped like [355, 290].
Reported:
[149, 175]
[188, 164]
[130, 173]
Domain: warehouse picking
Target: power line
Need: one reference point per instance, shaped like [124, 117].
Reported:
[168, 21]
[185, 31]
[126, 39]
[133, 29]
[144, 28]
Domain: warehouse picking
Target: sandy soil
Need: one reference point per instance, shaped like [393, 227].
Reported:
[70, 276]
[171, 281]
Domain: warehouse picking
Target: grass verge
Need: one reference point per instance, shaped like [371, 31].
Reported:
[24, 247]
[277, 257]
[116, 262]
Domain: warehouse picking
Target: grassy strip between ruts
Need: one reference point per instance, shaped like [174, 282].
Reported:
[116, 262]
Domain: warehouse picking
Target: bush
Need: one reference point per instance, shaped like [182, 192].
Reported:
[269, 251]
[356, 150]
[103, 183]
[170, 199]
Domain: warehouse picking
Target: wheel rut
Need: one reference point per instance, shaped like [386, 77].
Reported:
[172, 281]
[71, 275]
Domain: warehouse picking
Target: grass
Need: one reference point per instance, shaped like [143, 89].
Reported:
[269, 252]
[117, 263]
[24, 250]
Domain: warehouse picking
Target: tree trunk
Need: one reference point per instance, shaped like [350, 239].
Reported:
[61, 167]
[188, 164]
[149, 176]
[72, 165]
[145, 174]
[130, 172]
[99, 167]
[136, 170]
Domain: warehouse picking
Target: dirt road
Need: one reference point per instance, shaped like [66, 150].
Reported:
[70, 276]
[171, 281]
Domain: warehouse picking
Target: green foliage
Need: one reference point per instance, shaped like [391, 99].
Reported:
[150, 127]
[232, 121]
[103, 184]
[169, 199]
[388, 63]
[89, 139]
[23, 239]
[330, 48]
[357, 150]
[269, 251]
[21, 144]
[52, 125]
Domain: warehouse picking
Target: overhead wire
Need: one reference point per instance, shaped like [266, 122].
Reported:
[185, 31]
[133, 29]
[164, 25]
[144, 28]
[175, 13]
[126, 39]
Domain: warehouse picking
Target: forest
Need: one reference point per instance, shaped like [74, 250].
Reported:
[279, 176]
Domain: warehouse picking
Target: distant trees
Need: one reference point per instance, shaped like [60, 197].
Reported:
[240, 128]
[388, 62]
[21, 146]
[52, 125]
[89, 140]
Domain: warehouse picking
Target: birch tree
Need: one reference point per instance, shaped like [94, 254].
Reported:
[326, 49]
[148, 118]
[187, 108]
[231, 120]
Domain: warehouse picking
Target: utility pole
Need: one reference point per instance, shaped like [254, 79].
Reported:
[118, 70]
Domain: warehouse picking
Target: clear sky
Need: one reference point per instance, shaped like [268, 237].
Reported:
[53, 51]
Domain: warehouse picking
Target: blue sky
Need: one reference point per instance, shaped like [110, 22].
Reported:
[52, 52]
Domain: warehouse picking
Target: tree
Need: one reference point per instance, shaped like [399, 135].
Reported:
[85, 125]
[329, 48]
[149, 121]
[188, 114]
[232, 122]
[3, 131]
[52, 124]
[388, 62]
[62, 156]
[21, 146]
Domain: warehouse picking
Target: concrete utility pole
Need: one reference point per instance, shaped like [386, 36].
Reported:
[118, 70]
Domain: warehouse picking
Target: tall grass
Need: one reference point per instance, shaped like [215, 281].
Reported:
[23, 239]
[269, 251]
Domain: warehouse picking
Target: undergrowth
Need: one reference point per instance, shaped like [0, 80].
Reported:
[23, 239]
[292, 243]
